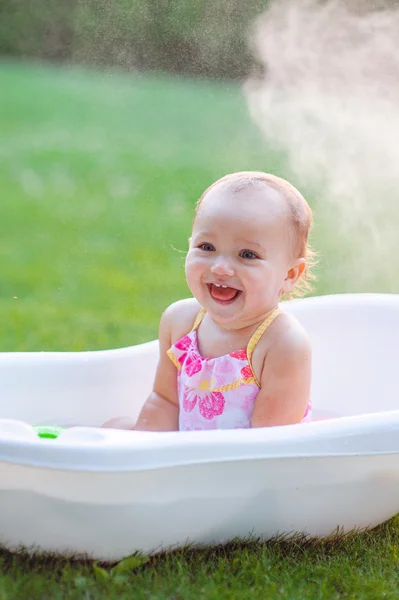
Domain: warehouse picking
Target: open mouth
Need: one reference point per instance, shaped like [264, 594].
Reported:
[223, 294]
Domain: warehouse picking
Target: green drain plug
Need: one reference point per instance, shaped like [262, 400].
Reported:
[48, 432]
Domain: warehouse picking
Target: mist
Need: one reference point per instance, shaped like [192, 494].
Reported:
[328, 98]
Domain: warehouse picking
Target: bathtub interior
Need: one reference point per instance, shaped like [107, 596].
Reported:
[355, 357]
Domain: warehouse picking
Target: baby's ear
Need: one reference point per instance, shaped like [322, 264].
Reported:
[294, 273]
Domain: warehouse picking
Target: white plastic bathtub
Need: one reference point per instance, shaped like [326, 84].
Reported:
[106, 493]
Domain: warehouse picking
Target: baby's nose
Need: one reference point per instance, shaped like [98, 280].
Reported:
[222, 266]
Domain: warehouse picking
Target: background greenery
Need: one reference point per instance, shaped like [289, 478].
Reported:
[99, 175]
[200, 37]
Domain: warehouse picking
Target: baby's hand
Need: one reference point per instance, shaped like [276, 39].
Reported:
[119, 423]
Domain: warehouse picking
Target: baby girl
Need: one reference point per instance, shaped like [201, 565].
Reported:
[230, 357]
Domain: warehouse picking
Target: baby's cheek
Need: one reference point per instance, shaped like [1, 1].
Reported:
[189, 267]
[272, 278]
[191, 262]
[194, 268]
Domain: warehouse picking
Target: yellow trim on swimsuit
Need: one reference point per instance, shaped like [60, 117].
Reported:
[256, 337]
[250, 346]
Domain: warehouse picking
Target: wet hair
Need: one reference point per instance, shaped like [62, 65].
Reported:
[301, 215]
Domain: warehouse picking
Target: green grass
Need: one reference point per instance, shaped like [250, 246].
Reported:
[99, 175]
[361, 566]
[98, 180]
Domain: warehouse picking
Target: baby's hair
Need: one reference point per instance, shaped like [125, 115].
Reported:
[302, 218]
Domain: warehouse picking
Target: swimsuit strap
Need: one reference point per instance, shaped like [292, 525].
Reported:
[198, 319]
[256, 337]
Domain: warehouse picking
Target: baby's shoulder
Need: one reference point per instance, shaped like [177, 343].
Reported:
[284, 343]
[179, 318]
[289, 337]
[284, 335]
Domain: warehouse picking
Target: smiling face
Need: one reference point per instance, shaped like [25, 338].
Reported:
[241, 259]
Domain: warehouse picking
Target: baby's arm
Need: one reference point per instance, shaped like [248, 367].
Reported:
[285, 380]
[161, 410]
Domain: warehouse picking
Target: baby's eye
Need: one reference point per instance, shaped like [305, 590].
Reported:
[247, 254]
[206, 247]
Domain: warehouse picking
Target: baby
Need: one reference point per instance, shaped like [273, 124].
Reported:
[230, 357]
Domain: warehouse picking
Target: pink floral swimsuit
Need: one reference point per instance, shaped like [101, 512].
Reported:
[217, 393]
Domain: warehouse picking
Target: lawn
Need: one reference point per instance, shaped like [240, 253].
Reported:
[99, 174]
[98, 180]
